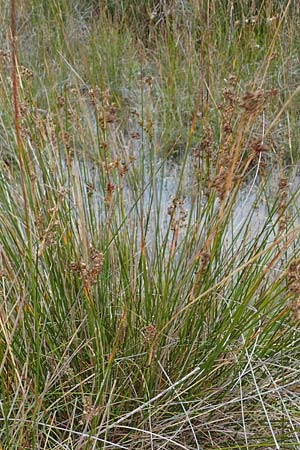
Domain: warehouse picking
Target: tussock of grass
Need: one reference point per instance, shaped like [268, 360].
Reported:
[149, 225]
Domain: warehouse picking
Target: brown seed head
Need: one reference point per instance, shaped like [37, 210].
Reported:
[253, 102]
[149, 333]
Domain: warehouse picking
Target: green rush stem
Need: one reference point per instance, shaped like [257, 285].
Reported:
[17, 117]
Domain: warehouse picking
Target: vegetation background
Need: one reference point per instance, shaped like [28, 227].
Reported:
[149, 224]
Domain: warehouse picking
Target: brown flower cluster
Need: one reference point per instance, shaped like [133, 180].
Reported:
[50, 128]
[89, 272]
[236, 129]
[205, 146]
[177, 214]
[258, 150]
[253, 20]
[282, 193]
[253, 102]
[219, 183]
[293, 277]
[149, 333]
[60, 101]
[225, 157]
[5, 57]
[6, 60]
[89, 411]
[107, 116]
[47, 233]
[47, 236]
[26, 73]
[121, 165]
[204, 259]
[109, 191]
[106, 111]
[203, 156]
[45, 128]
